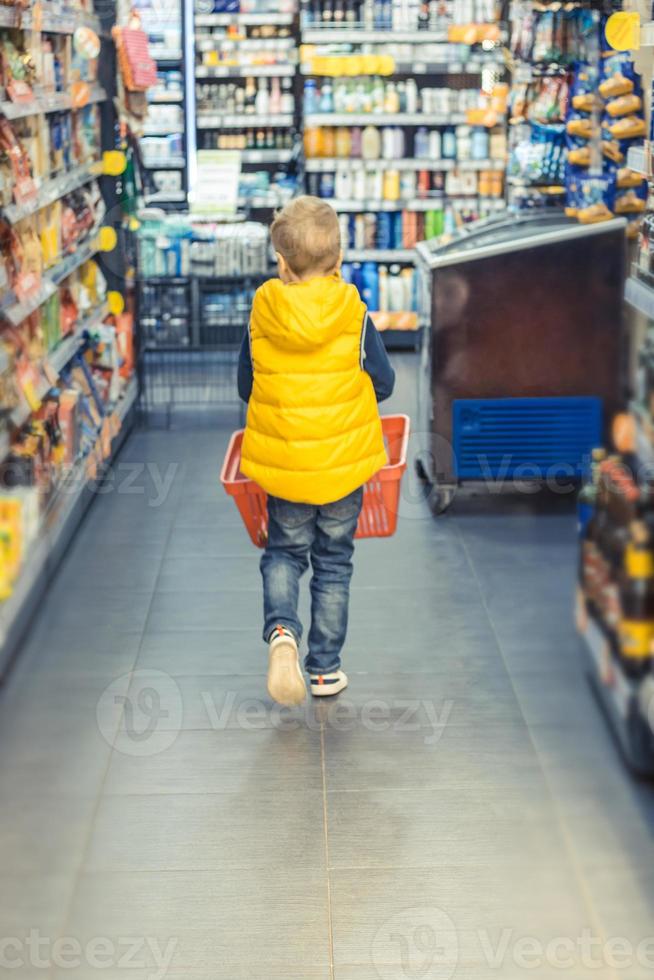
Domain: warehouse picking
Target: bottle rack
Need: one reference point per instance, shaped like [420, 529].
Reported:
[50, 510]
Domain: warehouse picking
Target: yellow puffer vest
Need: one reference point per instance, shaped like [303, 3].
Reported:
[313, 432]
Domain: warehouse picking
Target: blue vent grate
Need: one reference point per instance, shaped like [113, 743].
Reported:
[524, 437]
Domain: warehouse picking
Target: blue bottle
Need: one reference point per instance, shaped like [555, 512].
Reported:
[357, 277]
[346, 272]
[370, 291]
[384, 229]
[310, 97]
[396, 235]
[421, 144]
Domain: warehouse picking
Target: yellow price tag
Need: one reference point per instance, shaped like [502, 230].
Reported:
[116, 302]
[623, 30]
[107, 239]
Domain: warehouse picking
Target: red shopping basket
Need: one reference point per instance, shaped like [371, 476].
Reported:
[381, 494]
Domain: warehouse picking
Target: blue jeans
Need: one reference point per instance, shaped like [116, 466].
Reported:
[324, 535]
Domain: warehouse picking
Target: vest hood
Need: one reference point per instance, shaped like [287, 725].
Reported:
[305, 315]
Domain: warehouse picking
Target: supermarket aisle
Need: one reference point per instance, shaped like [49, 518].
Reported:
[464, 795]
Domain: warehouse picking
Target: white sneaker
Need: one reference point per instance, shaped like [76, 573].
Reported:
[324, 685]
[286, 683]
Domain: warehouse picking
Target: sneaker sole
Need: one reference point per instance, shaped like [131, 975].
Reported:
[286, 683]
[328, 690]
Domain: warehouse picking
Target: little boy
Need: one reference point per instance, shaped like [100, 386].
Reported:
[312, 368]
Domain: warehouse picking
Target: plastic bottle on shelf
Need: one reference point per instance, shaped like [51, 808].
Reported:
[384, 230]
[326, 97]
[401, 96]
[408, 283]
[359, 232]
[388, 148]
[395, 290]
[275, 97]
[421, 144]
[262, 104]
[463, 143]
[371, 143]
[407, 185]
[369, 14]
[287, 100]
[412, 97]
[327, 12]
[329, 142]
[344, 226]
[399, 143]
[480, 143]
[374, 184]
[310, 100]
[343, 143]
[377, 95]
[448, 144]
[370, 226]
[383, 288]
[391, 99]
[391, 185]
[313, 142]
[343, 184]
[356, 139]
[359, 185]
[435, 145]
[327, 185]
[370, 278]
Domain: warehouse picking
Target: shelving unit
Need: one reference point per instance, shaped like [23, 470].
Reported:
[68, 499]
[164, 24]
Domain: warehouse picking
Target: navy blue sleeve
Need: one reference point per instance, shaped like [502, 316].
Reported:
[376, 362]
[245, 375]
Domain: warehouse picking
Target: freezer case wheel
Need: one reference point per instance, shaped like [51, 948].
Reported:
[440, 499]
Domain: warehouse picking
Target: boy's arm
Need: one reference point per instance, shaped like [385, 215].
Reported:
[245, 375]
[375, 361]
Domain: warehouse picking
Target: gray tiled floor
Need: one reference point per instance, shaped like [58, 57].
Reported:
[462, 799]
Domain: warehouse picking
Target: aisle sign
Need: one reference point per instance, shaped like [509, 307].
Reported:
[216, 190]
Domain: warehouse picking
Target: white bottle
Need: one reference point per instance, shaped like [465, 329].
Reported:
[262, 101]
[388, 143]
[411, 96]
[359, 232]
[435, 150]
[399, 143]
[359, 185]
[375, 184]
[395, 291]
[343, 184]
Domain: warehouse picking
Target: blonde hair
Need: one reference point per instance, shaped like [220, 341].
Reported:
[307, 235]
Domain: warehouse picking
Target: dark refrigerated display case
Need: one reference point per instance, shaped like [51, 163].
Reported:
[523, 363]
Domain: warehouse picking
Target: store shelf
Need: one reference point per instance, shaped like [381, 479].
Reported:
[329, 164]
[415, 204]
[166, 197]
[244, 20]
[360, 35]
[163, 130]
[266, 156]
[51, 20]
[245, 71]
[168, 163]
[641, 296]
[165, 57]
[64, 513]
[165, 98]
[472, 67]
[617, 692]
[213, 43]
[15, 311]
[380, 255]
[56, 360]
[382, 119]
[218, 121]
[52, 190]
[56, 102]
